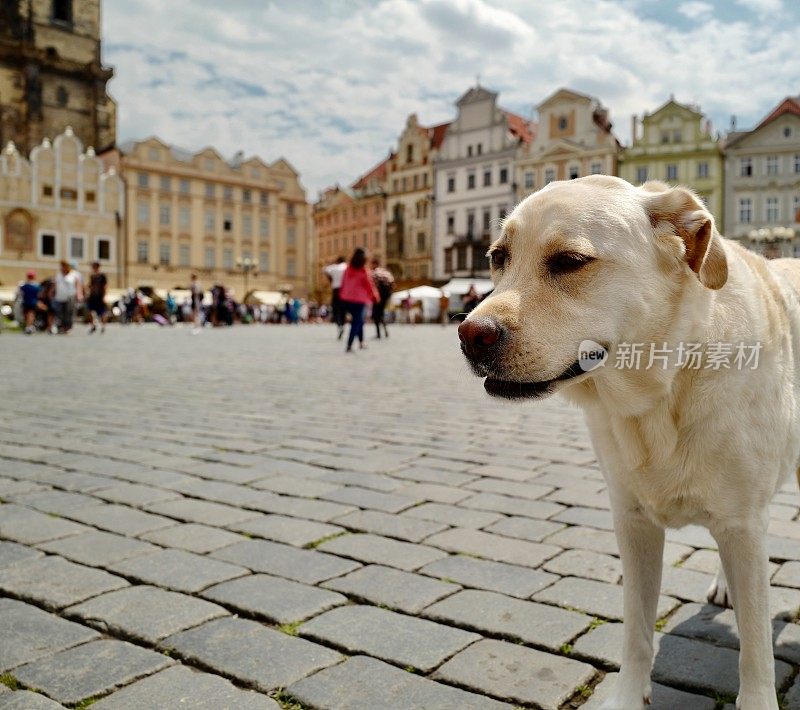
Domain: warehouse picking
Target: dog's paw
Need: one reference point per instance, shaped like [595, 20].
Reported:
[719, 594]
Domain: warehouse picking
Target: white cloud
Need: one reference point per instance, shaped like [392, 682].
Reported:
[696, 10]
[329, 85]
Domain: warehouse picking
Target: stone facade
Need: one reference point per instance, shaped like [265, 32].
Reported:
[409, 203]
[762, 183]
[197, 212]
[51, 73]
[474, 183]
[60, 204]
[675, 145]
[574, 139]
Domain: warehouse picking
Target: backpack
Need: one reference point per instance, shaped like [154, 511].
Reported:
[385, 289]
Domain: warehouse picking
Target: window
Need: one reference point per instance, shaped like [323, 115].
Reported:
[487, 178]
[62, 11]
[469, 151]
[421, 241]
[67, 193]
[164, 215]
[470, 224]
[480, 148]
[702, 169]
[47, 190]
[89, 196]
[227, 193]
[529, 179]
[461, 259]
[796, 208]
[563, 122]
[227, 223]
[772, 165]
[773, 210]
[676, 137]
[247, 196]
[210, 191]
[665, 136]
[503, 175]
[247, 225]
[746, 167]
[210, 258]
[409, 153]
[47, 245]
[143, 252]
[62, 97]
[76, 244]
[451, 223]
[290, 208]
[574, 172]
[183, 216]
[263, 228]
[291, 269]
[596, 168]
[183, 255]
[210, 222]
[143, 213]
[787, 132]
[487, 218]
[641, 175]
[263, 261]
[451, 183]
[165, 183]
[745, 210]
[290, 236]
[164, 253]
[143, 180]
[549, 176]
[227, 258]
[797, 163]
[104, 249]
[672, 171]
[502, 211]
[416, 182]
[184, 186]
[264, 198]
[470, 181]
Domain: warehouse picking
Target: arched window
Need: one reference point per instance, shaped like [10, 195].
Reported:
[62, 97]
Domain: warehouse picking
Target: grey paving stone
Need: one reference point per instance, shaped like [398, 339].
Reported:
[684, 662]
[12, 552]
[377, 482]
[531, 491]
[29, 633]
[191, 510]
[685, 584]
[135, 494]
[580, 496]
[580, 537]
[178, 570]
[366, 547]
[362, 683]
[251, 653]
[216, 491]
[493, 547]
[512, 618]
[707, 561]
[374, 500]
[509, 671]
[309, 566]
[597, 598]
[511, 473]
[281, 467]
[120, 519]
[586, 517]
[788, 575]
[224, 472]
[388, 525]
[91, 669]
[145, 613]
[452, 515]
[293, 486]
[588, 564]
[56, 502]
[392, 588]
[97, 548]
[513, 506]
[692, 535]
[193, 537]
[793, 695]
[434, 492]
[400, 639]
[10, 487]
[781, 549]
[27, 700]
[321, 510]
[500, 577]
[27, 526]
[182, 687]
[425, 474]
[524, 528]
[664, 697]
[54, 583]
[279, 600]
[282, 528]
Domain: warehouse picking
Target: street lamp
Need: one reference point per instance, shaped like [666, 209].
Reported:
[246, 264]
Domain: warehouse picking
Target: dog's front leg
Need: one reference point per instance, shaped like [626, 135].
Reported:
[641, 546]
[744, 555]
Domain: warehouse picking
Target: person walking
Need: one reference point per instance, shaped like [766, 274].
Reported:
[67, 293]
[357, 292]
[96, 303]
[196, 294]
[335, 274]
[384, 283]
[29, 295]
[444, 307]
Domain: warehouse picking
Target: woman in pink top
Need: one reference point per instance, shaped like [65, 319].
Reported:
[357, 291]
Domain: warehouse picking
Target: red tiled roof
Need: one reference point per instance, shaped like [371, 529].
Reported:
[791, 104]
[521, 128]
[437, 134]
[377, 173]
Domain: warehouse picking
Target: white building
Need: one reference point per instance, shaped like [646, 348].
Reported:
[474, 183]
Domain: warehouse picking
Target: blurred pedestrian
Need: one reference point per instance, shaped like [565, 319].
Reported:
[357, 292]
[96, 302]
[46, 307]
[444, 307]
[66, 296]
[29, 295]
[384, 283]
[335, 274]
[196, 294]
[471, 299]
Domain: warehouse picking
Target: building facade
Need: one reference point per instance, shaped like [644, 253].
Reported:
[574, 139]
[59, 204]
[409, 203]
[674, 144]
[199, 213]
[762, 183]
[474, 183]
[51, 74]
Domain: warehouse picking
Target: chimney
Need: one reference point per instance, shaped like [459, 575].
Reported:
[634, 122]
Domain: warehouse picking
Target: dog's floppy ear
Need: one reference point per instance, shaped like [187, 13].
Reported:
[683, 214]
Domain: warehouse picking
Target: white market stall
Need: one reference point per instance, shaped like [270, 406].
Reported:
[427, 296]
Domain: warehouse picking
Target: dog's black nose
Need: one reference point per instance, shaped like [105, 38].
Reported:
[478, 336]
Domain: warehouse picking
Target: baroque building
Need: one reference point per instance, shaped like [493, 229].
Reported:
[59, 204]
[762, 182]
[409, 203]
[675, 145]
[574, 139]
[200, 213]
[51, 73]
[474, 183]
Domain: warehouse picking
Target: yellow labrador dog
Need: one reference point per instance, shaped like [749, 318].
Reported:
[703, 441]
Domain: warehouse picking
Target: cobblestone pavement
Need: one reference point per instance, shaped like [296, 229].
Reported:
[250, 518]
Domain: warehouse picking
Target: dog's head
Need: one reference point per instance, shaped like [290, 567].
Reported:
[582, 266]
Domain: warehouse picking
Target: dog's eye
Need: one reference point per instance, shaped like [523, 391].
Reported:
[567, 262]
[499, 258]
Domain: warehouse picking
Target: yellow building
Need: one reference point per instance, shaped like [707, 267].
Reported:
[51, 74]
[199, 213]
[675, 145]
[60, 204]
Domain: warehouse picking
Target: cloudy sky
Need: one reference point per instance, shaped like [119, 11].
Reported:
[328, 83]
